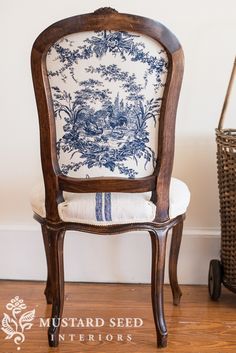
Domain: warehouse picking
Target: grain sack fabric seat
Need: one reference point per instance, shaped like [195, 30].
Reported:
[112, 208]
[107, 88]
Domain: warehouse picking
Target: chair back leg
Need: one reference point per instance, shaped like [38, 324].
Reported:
[56, 237]
[46, 240]
[158, 238]
[173, 261]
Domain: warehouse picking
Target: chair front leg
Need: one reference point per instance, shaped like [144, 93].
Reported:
[57, 284]
[173, 261]
[46, 240]
[158, 237]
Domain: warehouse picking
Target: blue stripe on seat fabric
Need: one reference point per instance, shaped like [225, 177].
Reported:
[107, 206]
[98, 207]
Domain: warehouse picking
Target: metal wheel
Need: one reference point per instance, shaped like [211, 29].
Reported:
[214, 279]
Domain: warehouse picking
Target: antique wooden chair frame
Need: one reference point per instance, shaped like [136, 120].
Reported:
[53, 228]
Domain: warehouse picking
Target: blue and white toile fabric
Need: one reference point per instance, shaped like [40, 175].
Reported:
[107, 92]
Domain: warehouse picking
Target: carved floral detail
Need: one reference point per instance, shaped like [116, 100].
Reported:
[105, 10]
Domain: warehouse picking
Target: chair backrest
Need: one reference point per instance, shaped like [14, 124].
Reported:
[107, 87]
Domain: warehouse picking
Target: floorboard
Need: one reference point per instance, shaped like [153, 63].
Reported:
[198, 325]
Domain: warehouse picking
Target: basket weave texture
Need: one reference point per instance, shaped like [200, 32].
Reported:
[226, 165]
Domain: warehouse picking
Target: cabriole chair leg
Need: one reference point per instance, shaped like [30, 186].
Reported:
[173, 260]
[57, 284]
[46, 240]
[158, 237]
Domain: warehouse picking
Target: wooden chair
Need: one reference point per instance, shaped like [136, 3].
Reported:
[107, 87]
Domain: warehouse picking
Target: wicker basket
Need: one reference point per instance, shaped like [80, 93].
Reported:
[226, 167]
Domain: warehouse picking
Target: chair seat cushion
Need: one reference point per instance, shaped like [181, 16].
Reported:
[112, 208]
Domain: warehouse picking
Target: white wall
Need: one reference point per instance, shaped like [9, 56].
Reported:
[207, 31]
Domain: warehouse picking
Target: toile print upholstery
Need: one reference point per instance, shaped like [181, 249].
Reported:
[107, 92]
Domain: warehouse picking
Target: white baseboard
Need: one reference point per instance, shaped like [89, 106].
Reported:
[91, 258]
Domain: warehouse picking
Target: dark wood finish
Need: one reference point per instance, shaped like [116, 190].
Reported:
[105, 10]
[167, 134]
[173, 261]
[55, 182]
[106, 184]
[47, 245]
[158, 238]
[57, 283]
[110, 229]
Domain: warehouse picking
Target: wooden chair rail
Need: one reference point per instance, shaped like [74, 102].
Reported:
[104, 184]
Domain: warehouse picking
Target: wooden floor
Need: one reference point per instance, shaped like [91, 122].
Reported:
[198, 325]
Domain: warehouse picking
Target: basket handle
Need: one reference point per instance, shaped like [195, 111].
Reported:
[226, 101]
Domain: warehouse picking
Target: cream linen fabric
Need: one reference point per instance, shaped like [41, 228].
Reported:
[112, 208]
